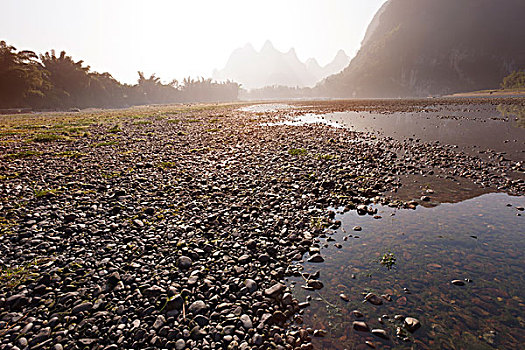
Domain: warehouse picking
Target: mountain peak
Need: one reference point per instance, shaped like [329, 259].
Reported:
[438, 54]
[268, 46]
[341, 53]
[269, 66]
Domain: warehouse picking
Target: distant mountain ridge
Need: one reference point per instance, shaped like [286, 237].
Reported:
[435, 47]
[268, 67]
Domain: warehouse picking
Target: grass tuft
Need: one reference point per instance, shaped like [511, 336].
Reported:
[48, 138]
[297, 152]
[23, 154]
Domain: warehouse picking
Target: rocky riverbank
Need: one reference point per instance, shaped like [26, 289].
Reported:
[176, 226]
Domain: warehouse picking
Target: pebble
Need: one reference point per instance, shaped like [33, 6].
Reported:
[184, 262]
[412, 324]
[82, 307]
[381, 333]
[246, 321]
[360, 326]
[316, 259]
[197, 307]
[373, 299]
[274, 290]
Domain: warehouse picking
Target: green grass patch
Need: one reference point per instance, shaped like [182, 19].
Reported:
[142, 122]
[200, 150]
[69, 129]
[112, 175]
[137, 116]
[115, 129]
[48, 138]
[213, 130]
[9, 132]
[45, 193]
[70, 154]
[31, 127]
[13, 276]
[23, 154]
[9, 176]
[297, 151]
[174, 121]
[166, 165]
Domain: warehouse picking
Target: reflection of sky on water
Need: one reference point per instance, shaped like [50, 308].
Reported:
[481, 239]
[265, 108]
[307, 119]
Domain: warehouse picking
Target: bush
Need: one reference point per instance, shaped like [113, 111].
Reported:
[515, 80]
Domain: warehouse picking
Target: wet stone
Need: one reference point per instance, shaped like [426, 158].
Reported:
[360, 326]
[373, 299]
[315, 284]
[274, 290]
[317, 258]
[381, 333]
[412, 324]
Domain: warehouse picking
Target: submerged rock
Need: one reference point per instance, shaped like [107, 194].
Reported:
[412, 324]
[360, 326]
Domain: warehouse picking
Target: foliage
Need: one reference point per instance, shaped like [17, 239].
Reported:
[52, 81]
[515, 80]
[22, 78]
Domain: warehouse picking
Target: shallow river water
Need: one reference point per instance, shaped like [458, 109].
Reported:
[480, 241]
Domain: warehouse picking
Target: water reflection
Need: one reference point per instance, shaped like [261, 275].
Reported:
[266, 108]
[306, 119]
[479, 240]
[474, 128]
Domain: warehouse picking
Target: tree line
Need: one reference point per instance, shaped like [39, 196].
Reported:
[51, 81]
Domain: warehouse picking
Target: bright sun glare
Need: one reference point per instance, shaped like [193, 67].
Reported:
[183, 38]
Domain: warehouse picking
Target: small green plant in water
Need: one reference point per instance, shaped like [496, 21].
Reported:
[388, 260]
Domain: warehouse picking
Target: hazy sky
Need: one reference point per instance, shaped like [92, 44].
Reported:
[180, 38]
